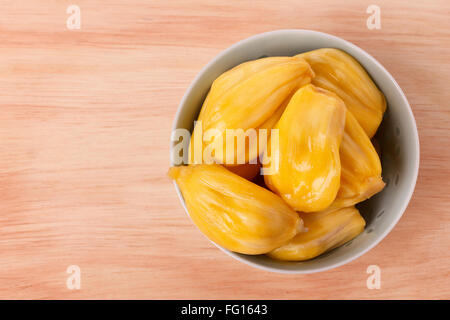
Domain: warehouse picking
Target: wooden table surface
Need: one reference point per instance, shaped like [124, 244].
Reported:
[85, 122]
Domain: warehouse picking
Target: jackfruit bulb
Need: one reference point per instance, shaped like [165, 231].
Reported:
[310, 134]
[323, 231]
[234, 212]
[248, 96]
[340, 73]
[360, 166]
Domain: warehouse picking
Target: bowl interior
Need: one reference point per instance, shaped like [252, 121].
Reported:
[397, 136]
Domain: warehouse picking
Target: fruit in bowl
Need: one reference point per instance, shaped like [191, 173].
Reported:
[309, 118]
[378, 150]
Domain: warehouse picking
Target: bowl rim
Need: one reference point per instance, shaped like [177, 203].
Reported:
[411, 119]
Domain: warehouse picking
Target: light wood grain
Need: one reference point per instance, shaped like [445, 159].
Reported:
[85, 120]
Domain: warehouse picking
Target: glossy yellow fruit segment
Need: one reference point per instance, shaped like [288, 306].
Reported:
[360, 166]
[323, 231]
[339, 72]
[246, 97]
[233, 212]
[310, 134]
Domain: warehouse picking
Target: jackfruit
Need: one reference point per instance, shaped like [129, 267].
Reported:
[360, 166]
[340, 73]
[233, 212]
[245, 97]
[323, 231]
[310, 134]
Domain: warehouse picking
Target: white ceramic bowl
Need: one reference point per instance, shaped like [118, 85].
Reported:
[398, 136]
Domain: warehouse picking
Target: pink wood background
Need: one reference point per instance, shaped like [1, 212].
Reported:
[85, 120]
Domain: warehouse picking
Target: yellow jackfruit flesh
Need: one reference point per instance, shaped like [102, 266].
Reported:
[310, 134]
[360, 166]
[323, 231]
[340, 73]
[245, 97]
[233, 212]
